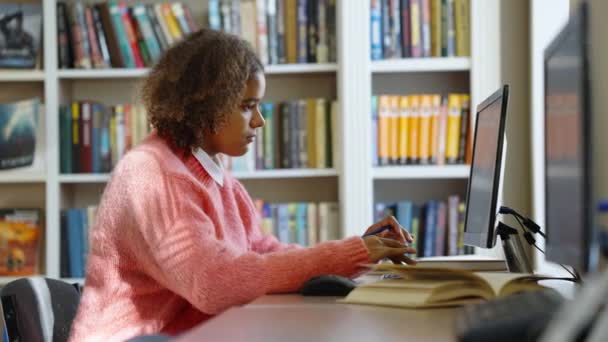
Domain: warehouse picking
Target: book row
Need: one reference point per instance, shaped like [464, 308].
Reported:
[281, 31]
[119, 35]
[297, 134]
[419, 28]
[93, 136]
[421, 129]
[304, 223]
[437, 225]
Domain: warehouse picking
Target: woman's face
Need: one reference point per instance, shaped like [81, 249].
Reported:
[239, 130]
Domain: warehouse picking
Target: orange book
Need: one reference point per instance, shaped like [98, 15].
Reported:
[453, 134]
[435, 107]
[393, 130]
[383, 133]
[404, 113]
[424, 130]
[20, 237]
[413, 126]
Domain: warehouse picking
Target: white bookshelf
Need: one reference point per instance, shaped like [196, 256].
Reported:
[75, 74]
[422, 172]
[21, 75]
[84, 178]
[285, 174]
[68, 74]
[435, 64]
[352, 81]
[22, 177]
[259, 174]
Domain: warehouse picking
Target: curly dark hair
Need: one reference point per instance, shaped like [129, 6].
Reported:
[196, 83]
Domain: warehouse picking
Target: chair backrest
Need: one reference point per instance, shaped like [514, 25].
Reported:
[39, 309]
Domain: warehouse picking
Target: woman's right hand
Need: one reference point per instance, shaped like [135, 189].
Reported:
[380, 248]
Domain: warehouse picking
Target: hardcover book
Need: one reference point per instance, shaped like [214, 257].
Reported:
[20, 232]
[20, 32]
[18, 123]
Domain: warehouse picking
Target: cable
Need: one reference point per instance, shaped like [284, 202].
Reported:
[527, 222]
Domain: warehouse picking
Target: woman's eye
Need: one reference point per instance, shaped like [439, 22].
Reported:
[249, 107]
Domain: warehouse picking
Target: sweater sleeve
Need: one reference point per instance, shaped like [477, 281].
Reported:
[192, 260]
[214, 277]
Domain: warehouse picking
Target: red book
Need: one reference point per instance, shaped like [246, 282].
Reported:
[127, 22]
[98, 61]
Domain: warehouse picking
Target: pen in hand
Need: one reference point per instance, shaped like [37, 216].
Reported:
[377, 231]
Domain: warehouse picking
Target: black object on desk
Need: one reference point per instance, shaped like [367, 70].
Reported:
[518, 317]
[327, 285]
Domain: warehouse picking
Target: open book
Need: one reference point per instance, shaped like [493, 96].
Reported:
[426, 287]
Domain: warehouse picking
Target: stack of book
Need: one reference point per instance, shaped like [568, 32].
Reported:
[420, 28]
[114, 34]
[75, 225]
[93, 137]
[437, 226]
[304, 223]
[421, 129]
[297, 134]
[281, 31]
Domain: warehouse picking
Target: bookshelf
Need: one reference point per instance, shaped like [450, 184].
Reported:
[429, 64]
[352, 182]
[422, 172]
[21, 76]
[75, 74]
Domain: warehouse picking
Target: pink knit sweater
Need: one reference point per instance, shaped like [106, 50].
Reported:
[171, 248]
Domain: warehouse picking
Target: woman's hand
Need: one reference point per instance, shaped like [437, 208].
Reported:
[380, 248]
[396, 231]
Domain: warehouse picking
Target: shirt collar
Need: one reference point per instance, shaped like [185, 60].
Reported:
[212, 165]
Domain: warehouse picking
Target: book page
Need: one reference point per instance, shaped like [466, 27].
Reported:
[436, 273]
[499, 281]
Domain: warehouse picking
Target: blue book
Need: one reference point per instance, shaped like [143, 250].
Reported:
[269, 134]
[430, 229]
[85, 237]
[283, 223]
[147, 31]
[302, 18]
[302, 223]
[376, 29]
[75, 249]
[404, 215]
[215, 21]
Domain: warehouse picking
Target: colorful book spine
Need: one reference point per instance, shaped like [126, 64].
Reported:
[406, 29]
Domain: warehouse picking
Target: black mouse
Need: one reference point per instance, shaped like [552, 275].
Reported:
[327, 285]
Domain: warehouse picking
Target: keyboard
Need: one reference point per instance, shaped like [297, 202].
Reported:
[518, 317]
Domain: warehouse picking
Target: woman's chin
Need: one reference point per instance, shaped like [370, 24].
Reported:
[238, 152]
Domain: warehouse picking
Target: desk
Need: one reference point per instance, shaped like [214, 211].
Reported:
[295, 318]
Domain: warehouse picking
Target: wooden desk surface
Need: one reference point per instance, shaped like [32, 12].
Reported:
[295, 318]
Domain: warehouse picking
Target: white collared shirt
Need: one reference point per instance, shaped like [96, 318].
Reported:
[213, 165]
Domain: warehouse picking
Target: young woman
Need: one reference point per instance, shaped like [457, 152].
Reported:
[177, 239]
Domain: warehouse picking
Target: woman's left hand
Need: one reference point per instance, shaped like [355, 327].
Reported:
[396, 231]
